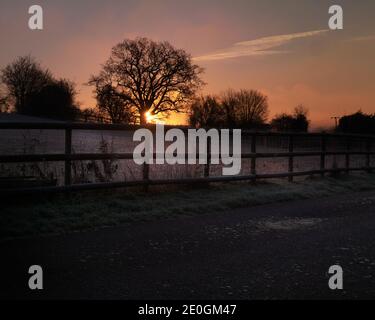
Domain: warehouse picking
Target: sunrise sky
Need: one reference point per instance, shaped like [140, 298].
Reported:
[280, 47]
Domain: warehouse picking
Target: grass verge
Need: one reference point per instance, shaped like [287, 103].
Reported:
[83, 211]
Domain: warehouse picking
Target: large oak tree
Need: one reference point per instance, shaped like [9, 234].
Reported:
[153, 77]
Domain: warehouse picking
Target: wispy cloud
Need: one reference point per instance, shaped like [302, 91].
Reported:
[261, 46]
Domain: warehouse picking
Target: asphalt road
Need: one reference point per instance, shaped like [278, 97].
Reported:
[276, 251]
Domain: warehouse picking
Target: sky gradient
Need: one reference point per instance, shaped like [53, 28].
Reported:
[282, 48]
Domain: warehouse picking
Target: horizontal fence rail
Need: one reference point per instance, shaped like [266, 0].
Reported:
[68, 157]
[129, 156]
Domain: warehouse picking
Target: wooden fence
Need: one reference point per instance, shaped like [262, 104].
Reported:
[67, 157]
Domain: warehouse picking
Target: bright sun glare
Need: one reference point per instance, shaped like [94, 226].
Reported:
[150, 118]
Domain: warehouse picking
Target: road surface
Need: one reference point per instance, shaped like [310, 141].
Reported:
[275, 251]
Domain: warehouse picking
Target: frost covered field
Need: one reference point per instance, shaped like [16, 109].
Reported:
[83, 141]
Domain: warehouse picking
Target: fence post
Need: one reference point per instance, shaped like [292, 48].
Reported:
[323, 154]
[347, 156]
[368, 150]
[207, 165]
[68, 152]
[291, 158]
[253, 158]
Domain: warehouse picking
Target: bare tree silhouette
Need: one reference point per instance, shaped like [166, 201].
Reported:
[229, 102]
[241, 109]
[22, 78]
[206, 111]
[250, 108]
[4, 105]
[153, 77]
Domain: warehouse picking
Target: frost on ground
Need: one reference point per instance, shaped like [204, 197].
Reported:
[289, 224]
[256, 226]
[89, 210]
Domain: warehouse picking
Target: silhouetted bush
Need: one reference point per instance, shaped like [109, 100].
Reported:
[55, 100]
[296, 122]
[358, 122]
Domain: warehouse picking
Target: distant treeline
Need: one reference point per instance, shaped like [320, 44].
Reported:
[246, 109]
[144, 81]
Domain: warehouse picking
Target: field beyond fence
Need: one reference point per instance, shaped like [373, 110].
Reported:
[94, 156]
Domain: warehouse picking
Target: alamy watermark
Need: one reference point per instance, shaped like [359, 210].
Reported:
[336, 281]
[36, 280]
[336, 21]
[198, 146]
[36, 18]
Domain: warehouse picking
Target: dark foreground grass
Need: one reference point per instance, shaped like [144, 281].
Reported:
[83, 211]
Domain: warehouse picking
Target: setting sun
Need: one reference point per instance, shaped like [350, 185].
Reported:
[150, 118]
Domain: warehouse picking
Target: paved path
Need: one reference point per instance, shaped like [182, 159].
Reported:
[272, 251]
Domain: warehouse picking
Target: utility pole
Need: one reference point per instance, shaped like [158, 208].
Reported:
[336, 121]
